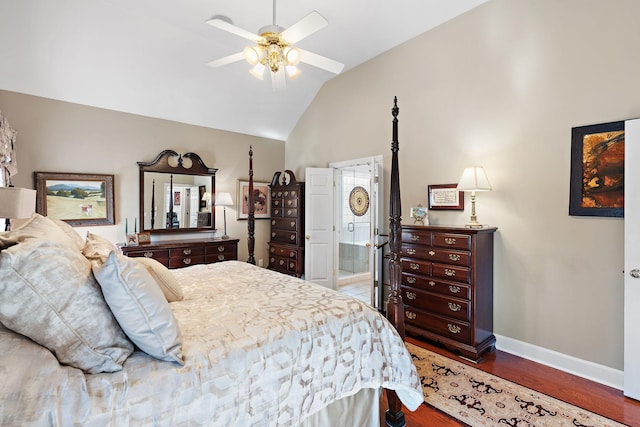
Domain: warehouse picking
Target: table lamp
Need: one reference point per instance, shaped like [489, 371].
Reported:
[16, 203]
[224, 200]
[473, 179]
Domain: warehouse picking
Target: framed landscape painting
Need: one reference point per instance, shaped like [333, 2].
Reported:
[78, 199]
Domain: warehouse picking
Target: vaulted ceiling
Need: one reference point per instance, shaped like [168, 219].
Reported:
[149, 57]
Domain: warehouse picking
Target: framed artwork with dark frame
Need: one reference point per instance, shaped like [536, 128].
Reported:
[445, 197]
[79, 199]
[597, 170]
[261, 198]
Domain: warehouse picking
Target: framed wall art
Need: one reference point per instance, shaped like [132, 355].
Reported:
[261, 198]
[445, 197]
[597, 170]
[77, 198]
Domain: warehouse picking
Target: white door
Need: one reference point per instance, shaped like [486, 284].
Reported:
[632, 260]
[318, 228]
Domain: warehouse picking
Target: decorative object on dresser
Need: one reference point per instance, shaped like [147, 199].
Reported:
[224, 199]
[16, 203]
[474, 179]
[172, 187]
[447, 286]
[286, 248]
[183, 253]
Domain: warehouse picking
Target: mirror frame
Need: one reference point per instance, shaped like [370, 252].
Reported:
[161, 164]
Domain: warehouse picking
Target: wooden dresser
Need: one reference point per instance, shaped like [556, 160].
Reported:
[447, 286]
[183, 253]
[286, 247]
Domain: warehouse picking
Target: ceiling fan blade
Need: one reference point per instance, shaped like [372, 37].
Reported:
[304, 27]
[226, 60]
[278, 80]
[320, 61]
[224, 25]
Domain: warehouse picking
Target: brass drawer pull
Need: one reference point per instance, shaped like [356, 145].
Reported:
[292, 237]
[289, 212]
[411, 280]
[411, 251]
[276, 211]
[410, 315]
[220, 257]
[454, 257]
[454, 289]
[432, 253]
[220, 248]
[454, 306]
[292, 254]
[273, 222]
[273, 234]
[272, 250]
[449, 272]
[289, 202]
[293, 224]
[414, 266]
[272, 260]
[450, 241]
[291, 265]
[286, 193]
[148, 254]
[415, 238]
[454, 329]
[186, 251]
[411, 295]
[293, 194]
[186, 261]
[432, 283]
[279, 193]
[276, 202]
[281, 262]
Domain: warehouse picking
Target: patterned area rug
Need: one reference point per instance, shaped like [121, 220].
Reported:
[481, 399]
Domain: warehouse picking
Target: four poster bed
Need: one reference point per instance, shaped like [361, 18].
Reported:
[92, 337]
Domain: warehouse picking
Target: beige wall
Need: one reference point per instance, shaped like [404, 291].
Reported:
[56, 136]
[502, 86]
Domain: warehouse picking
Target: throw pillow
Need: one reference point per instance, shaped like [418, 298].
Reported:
[139, 306]
[166, 280]
[48, 293]
[37, 226]
[97, 248]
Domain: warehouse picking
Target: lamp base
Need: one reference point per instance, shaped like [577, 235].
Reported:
[225, 237]
[474, 225]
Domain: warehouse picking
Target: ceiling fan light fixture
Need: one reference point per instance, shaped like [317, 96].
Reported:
[292, 56]
[258, 71]
[252, 55]
[293, 71]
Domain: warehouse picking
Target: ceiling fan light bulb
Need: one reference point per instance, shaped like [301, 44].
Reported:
[292, 56]
[252, 55]
[258, 71]
[293, 71]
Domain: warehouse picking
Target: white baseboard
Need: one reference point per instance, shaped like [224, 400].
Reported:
[582, 368]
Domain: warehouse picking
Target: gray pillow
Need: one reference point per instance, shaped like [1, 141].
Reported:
[139, 306]
[41, 227]
[48, 293]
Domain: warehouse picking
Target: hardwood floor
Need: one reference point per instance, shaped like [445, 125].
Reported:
[578, 391]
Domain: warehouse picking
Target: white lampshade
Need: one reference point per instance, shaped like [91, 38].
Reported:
[224, 199]
[474, 179]
[17, 202]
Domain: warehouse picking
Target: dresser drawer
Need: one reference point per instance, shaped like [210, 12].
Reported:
[221, 256]
[449, 328]
[420, 237]
[160, 255]
[290, 212]
[290, 203]
[284, 252]
[412, 265]
[283, 264]
[434, 285]
[451, 272]
[185, 261]
[284, 224]
[456, 308]
[186, 252]
[451, 240]
[284, 236]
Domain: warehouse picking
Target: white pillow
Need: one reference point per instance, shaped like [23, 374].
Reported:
[139, 306]
[166, 280]
[97, 248]
[41, 227]
[47, 293]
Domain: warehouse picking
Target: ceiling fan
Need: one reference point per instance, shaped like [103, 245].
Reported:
[273, 49]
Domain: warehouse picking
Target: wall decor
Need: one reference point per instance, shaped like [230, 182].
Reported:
[445, 197]
[597, 170]
[419, 215]
[261, 199]
[77, 198]
[359, 201]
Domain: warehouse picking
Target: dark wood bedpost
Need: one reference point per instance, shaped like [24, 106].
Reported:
[394, 416]
[251, 207]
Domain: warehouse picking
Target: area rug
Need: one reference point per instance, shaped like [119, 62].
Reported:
[481, 399]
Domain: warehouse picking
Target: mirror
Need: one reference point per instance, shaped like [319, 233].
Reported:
[176, 194]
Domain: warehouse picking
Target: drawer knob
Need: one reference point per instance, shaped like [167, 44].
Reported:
[273, 222]
[454, 306]
[289, 202]
[286, 193]
[450, 241]
[291, 266]
[293, 224]
[221, 257]
[148, 254]
[411, 251]
[410, 315]
[411, 280]
[276, 211]
[292, 254]
[411, 295]
[272, 250]
[276, 202]
[414, 266]
[292, 237]
[272, 260]
[432, 283]
[449, 272]
[454, 257]
[289, 212]
[454, 289]
[186, 251]
[273, 234]
[220, 248]
[454, 329]
[293, 194]
[281, 262]
[186, 261]
[415, 238]
[432, 253]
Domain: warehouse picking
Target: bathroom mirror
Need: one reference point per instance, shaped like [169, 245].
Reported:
[176, 194]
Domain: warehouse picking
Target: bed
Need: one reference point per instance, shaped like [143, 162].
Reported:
[90, 337]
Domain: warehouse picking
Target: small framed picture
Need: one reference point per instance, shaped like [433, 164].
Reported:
[419, 215]
[445, 197]
[144, 238]
[132, 240]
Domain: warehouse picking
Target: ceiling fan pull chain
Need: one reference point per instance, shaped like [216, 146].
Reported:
[274, 12]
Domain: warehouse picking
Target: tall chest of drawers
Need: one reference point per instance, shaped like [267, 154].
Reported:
[286, 247]
[183, 253]
[447, 286]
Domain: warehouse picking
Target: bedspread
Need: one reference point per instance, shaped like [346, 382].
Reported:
[260, 349]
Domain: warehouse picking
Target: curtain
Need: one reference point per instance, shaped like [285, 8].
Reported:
[8, 162]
